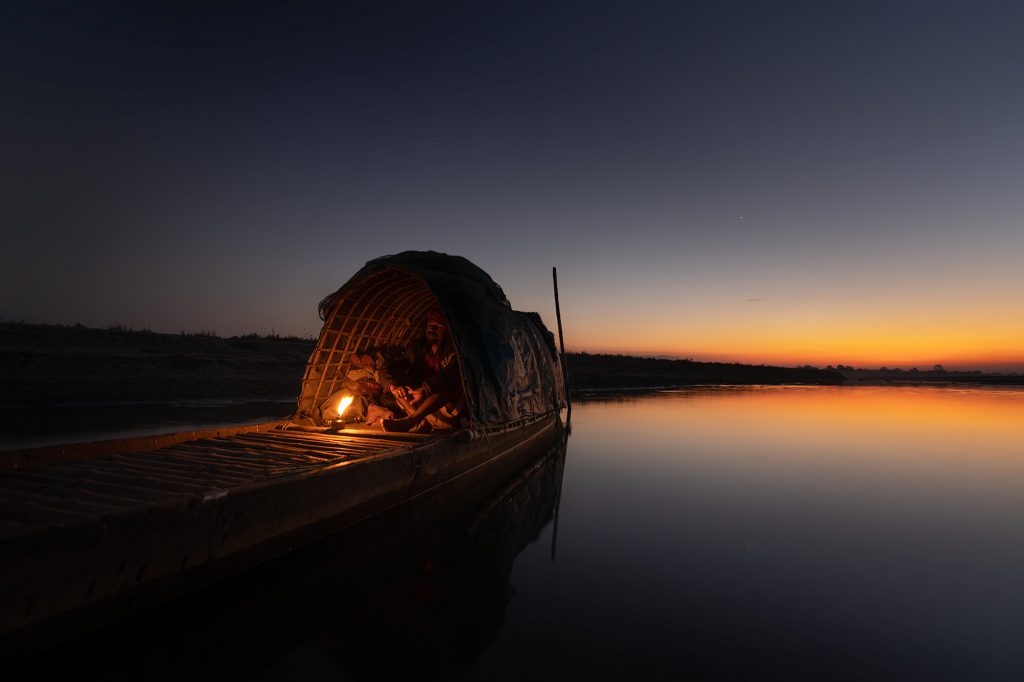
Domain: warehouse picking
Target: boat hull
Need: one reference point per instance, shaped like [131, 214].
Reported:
[63, 579]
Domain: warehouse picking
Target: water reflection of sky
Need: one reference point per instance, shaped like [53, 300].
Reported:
[863, 533]
[820, 532]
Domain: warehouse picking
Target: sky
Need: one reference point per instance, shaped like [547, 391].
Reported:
[782, 183]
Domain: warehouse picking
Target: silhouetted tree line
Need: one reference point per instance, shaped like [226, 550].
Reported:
[588, 370]
[53, 364]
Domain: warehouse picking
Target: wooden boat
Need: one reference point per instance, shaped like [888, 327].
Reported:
[90, 531]
[429, 579]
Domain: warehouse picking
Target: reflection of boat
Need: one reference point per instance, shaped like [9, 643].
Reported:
[442, 606]
[87, 531]
[417, 591]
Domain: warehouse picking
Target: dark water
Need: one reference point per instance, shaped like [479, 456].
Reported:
[780, 533]
[34, 427]
[858, 533]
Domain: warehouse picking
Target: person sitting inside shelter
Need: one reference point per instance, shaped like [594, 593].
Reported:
[426, 383]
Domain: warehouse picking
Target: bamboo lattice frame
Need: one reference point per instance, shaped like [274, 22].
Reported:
[386, 308]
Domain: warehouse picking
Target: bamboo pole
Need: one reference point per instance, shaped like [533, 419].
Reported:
[561, 346]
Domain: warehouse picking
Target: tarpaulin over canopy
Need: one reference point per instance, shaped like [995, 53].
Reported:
[508, 361]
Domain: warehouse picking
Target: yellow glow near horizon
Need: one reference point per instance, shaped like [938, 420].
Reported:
[808, 425]
[799, 344]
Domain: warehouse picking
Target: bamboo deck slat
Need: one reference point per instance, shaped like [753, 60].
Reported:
[32, 513]
[202, 458]
[114, 496]
[70, 492]
[72, 486]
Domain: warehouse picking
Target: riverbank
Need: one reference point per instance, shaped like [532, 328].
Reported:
[588, 371]
[55, 365]
[46, 365]
[68, 383]
[50, 365]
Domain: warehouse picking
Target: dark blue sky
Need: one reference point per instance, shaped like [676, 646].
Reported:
[835, 182]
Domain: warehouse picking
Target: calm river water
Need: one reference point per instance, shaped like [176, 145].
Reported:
[763, 533]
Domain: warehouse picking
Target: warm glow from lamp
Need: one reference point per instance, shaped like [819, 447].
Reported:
[343, 404]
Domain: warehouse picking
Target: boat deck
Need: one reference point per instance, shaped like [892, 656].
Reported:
[70, 492]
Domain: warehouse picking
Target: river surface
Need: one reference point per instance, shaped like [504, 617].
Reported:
[735, 533]
[32, 427]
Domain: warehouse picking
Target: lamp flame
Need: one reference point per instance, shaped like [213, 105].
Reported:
[343, 404]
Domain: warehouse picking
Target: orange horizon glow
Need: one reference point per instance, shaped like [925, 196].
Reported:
[1004, 362]
[913, 318]
[981, 349]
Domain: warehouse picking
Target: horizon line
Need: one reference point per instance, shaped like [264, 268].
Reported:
[1003, 366]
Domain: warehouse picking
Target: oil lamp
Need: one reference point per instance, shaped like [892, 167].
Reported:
[338, 422]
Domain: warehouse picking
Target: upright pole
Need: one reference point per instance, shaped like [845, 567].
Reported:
[561, 346]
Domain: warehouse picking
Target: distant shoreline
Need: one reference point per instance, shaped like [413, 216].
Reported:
[52, 365]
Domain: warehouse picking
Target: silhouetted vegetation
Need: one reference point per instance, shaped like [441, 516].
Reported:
[587, 371]
[57, 364]
[60, 364]
[936, 375]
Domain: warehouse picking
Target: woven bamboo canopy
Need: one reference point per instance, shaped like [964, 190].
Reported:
[508, 362]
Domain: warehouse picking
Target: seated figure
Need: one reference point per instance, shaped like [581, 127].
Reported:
[425, 382]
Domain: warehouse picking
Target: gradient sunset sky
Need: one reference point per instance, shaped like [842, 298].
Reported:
[787, 183]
